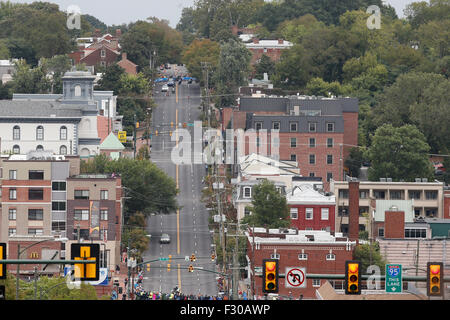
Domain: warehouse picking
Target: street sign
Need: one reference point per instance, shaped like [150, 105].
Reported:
[295, 277]
[393, 278]
[122, 136]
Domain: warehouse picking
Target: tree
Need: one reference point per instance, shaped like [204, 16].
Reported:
[57, 66]
[354, 161]
[369, 254]
[30, 80]
[199, 51]
[265, 65]
[400, 153]
[269, 207]
[232, 71]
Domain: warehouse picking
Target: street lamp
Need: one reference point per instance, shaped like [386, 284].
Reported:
[19, 252]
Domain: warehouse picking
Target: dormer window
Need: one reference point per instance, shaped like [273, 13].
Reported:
[77, 91]
[247, 192]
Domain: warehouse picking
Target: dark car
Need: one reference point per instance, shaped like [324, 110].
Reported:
[171, 83]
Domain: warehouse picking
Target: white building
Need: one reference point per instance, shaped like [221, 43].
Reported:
[63, 124]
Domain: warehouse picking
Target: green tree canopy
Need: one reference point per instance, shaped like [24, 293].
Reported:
[400, 153]
[269, 207]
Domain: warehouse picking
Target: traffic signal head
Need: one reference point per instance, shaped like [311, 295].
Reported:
[192, 258]
[156, 132]
[168, 267]
[89, 271]
[270, 276]
[148, 266]
[435, 275]
[213, 257]
[2, 257]
[352, 277]
[191, 268]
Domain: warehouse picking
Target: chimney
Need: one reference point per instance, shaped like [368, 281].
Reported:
[118, 33]
[255, 40]
[394, 224]
[353, 208]
[280, 41]
[124, 56]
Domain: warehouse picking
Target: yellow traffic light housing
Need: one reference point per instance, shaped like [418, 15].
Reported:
[89, 271]
[168, 267]
[435, 275]
[2, 257]
[148, 266]
[213, 257]
[191, 268]
[270, 276]
[156, 132]
[352, 277]
[192, 258]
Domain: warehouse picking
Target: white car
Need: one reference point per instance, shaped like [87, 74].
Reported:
[165, 88]
[165, 238]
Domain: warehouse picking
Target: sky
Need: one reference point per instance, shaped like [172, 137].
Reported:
[114, 12]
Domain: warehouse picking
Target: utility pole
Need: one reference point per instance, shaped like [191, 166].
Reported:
[134, 136]
[205, 68]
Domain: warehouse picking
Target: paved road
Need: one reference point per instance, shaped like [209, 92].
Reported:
[188, 228]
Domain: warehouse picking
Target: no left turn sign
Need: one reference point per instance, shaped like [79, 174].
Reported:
[295, 277]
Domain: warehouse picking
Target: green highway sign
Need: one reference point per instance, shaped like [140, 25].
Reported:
[393, 280]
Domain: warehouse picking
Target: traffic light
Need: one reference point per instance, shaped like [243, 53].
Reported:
[352, 277]
[170, 257]
[435, 275]
[2, 257]
[137, 125]
[192, 258]
[213, 257]
[171, 124]
[89, 271]
[168, 267]
[191, 268]
[170, 133]
[148, 266]
[270, 276]
[156, 132]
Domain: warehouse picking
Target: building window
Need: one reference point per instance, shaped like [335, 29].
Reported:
[329, 176]
[12, 214]
[36, 214]
[293, 157]
[63, 133]
[81, 214]
[36, 175]
[103, 194]
[293, 126]
[302, 256]
[58, 186]
[415, 233]
[431, 213]
[431, 195]
[12, 194]
[415, 194]
[381, 232]
[12, 232]
[379, 194]
[309, 215]
[312, 159]
[103, 53]
[276, 125]
[39, 148]
[329, 159]
[58, 226]
[312, 126]
[312, 142]
[330, 143]
[324, 214]
[312, 174]
[247, 192]
[294, 213]
[16, 149]
[343, 193]
[63, 150]
[12, 174]
[258, 125]
[330, 127]
[316, 282]
[364, 194]
[293, 142]
[81, 194]
[40, 133]
[331, 256]
[16, 133]
[275, 256]
[77, 91]
[104, 214]
[396, 195]
[58, 205]
[35, 194]
[35, 232]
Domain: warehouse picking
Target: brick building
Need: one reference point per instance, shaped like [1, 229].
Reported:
[317, 251]
[271, 48]
[127, 65]
[316, 133]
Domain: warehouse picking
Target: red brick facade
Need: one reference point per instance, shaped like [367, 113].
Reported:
[353, 194]
[394, 225]
[316, 223]
[446, 204]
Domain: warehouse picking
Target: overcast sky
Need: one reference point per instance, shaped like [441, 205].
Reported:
[119, 12]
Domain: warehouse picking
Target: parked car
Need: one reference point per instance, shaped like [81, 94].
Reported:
[165, 238]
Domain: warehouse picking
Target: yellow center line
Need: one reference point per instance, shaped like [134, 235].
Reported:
[178, 210]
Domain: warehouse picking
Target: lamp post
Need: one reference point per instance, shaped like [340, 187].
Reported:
[19, 252]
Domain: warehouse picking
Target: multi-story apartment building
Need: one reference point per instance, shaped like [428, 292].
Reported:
[74, 123]
[427, 199]
[317, 133]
